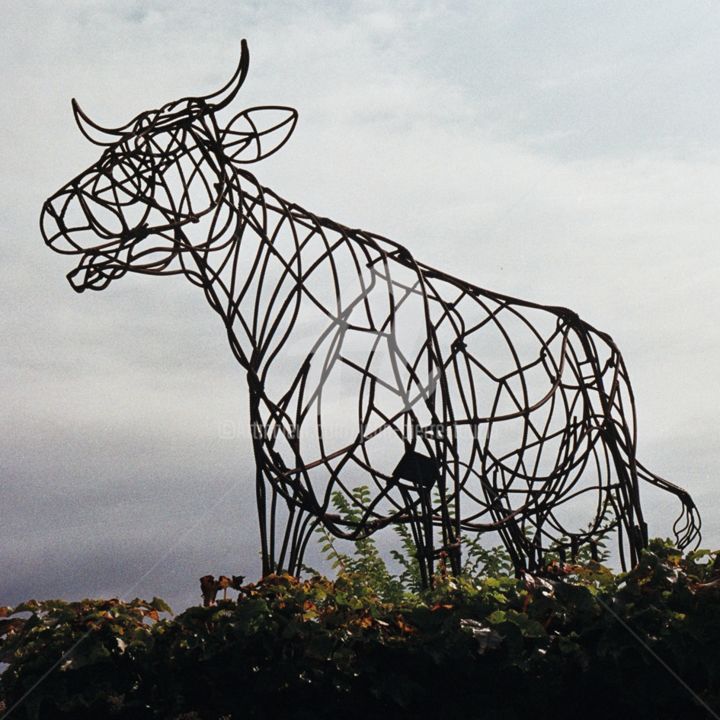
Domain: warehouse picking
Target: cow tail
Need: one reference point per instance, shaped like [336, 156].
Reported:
[688, 524]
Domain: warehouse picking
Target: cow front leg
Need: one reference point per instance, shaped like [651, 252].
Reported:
[296, 532]
[266, 521]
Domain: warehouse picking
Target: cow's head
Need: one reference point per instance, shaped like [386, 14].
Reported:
[166, 184]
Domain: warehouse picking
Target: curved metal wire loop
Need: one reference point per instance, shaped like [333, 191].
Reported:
[460, 410]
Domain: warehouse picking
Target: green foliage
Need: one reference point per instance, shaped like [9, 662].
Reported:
[82, 659]
[580, 641]
[366, 565]
[409, 576]
[480, 561]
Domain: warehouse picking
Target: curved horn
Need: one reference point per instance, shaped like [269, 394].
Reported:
[230, 89]
[95, 133]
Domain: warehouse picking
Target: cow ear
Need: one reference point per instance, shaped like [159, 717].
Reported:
[258, 132]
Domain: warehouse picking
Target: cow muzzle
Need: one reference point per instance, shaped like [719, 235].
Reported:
[54, 230]
[94, 273]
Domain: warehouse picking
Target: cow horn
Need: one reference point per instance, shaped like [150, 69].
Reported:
[227, 92]
[92, 131]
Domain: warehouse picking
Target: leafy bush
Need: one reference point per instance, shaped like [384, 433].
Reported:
[79, 659]
[367, 565]
[580, 641]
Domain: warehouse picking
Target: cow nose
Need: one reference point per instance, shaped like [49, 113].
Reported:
[53, 228]
[48, 222]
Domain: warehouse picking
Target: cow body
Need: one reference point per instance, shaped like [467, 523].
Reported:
[461, 410]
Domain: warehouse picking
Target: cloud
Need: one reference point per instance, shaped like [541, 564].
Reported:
[561, 153]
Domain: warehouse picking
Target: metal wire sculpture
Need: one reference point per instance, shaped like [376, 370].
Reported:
[461, 409]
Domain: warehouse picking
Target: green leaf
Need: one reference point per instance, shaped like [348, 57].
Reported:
[160, 605]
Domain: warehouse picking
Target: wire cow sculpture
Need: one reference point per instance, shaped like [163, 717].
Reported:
[462, 410]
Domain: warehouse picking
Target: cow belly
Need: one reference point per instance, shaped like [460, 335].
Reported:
[505, 398]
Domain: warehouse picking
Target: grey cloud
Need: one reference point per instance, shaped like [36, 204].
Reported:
[563, 153]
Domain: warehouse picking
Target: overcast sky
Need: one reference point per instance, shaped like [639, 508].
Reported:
[562, 152]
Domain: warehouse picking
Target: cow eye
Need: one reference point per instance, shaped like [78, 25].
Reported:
[142, 142]
[129, 177]
[121, 172]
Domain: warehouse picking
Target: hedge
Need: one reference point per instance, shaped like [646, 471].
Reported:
[578, 642]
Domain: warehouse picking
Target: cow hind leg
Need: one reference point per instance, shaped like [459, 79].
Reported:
[418, 510]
